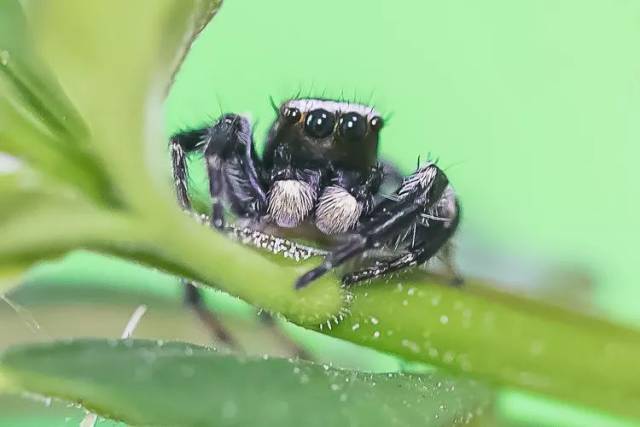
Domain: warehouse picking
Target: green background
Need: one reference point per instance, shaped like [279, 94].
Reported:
[531, 106]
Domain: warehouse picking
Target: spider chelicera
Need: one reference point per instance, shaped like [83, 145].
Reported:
[320, 176]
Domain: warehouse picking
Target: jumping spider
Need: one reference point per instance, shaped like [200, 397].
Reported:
[320, 175]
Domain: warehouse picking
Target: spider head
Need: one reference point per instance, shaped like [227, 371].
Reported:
[319, 131]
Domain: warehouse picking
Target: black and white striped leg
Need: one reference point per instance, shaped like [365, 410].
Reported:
[426, 241]
[180, 145]
[380, 268]
[194, 300]
[232, 168]
[390, 219]
[291, 346]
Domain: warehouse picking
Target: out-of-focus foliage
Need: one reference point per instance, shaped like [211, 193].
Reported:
[150, 383]
[116, 74]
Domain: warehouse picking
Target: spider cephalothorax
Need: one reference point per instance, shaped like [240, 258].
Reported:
[320, 171]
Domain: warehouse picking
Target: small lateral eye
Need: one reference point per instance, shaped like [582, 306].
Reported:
[352, 126]
[291, 114]
[376, 123]
[319, 123]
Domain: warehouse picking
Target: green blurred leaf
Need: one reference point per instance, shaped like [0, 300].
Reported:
[30, 411]
[29, 81]
[44, 151]
[117, 73]
[37, 121]
[146, 383]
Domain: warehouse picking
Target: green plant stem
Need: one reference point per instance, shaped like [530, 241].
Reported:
[264, 281]
[502, 338]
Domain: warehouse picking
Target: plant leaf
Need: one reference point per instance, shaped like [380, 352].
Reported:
[28, 79]
[117, 73]
[37, 121]
[146, 383]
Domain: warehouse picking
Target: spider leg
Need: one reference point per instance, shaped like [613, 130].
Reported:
[232, 168]
[230, 137]
[419, 193]
[181, 144]
[426, 241]
[383, 267]
[270, 322]
[426, 237]
[194, 300]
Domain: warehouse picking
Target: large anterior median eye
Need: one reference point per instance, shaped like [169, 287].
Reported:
[319, 123]
[352, 126]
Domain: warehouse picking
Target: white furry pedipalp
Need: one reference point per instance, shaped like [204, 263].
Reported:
[338, 211]
[290, 201]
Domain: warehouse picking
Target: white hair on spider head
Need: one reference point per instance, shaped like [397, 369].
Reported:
[290, 201]
[336, 107]
[338, 211]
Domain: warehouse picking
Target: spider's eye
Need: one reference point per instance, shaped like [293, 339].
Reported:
[291, 114]
[352, 126]
[376, 123]
[319, 123]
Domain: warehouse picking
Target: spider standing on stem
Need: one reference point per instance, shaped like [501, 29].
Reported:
[320, 177]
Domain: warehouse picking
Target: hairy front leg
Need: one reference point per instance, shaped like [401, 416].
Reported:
[389, 219]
